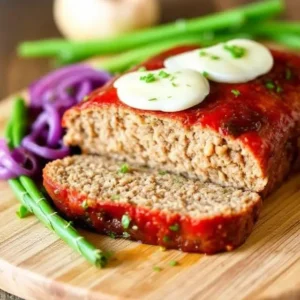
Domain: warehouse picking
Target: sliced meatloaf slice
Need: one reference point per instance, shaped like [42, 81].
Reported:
[245, 140]
[151, 206]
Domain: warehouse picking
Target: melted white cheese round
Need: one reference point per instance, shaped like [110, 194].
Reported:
[162, 90]
[235, 61]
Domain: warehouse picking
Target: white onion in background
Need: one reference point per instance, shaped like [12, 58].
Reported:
[96, 19]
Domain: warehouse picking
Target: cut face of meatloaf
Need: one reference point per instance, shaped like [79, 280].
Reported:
[245, 141]
[151, 206]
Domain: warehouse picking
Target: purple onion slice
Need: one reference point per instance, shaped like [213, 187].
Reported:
[30, 144]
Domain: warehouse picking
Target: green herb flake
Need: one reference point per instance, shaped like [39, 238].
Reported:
[162, 172]
[148, 78]
[157, 269]
[163, 74]
[126, 235]
[115, 197]
[152, 99]
[169, 97]
[166, 239]
[279, 89]
[202, 53]
[174, 227]
[205, 74]
[288, 74]
[142, 69]
[215, 57]
[173, 263]
[23, 212]
[235, 51]
[174, 84]
[85, 205]
[236, 93]
[188, 85]
[270, 85]
[124, 169]
[125, 221]
[111, 235]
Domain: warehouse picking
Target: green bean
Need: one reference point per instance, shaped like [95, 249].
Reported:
[124, 61]
[32, 200]
[23, 212]
[74, 51]
[19, 121]
[289, 40]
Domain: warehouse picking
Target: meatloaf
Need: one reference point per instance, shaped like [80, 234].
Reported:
[246, 140]
[151, 206]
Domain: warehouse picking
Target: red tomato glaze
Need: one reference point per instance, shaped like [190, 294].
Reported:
[259, 117]
[205, 235]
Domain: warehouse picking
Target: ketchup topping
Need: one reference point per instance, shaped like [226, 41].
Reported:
[260, 114]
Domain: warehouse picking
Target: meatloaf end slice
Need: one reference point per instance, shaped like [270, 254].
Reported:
[151, 206]
[246, 141]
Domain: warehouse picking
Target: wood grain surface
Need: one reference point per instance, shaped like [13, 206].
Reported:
[32, 19]
[35, 264]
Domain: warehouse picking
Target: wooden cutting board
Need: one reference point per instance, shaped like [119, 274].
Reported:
[35, 264]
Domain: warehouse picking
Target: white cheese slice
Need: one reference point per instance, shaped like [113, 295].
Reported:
[235, 61]
[162, 90]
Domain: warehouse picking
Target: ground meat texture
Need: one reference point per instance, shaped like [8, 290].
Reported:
[246, 141]
[159, 208]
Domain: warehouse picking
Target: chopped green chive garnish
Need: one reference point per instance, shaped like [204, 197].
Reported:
[169, 97]
[173, 263]
[112, 235]
[278, 89]
[188, 85]
[148, 78]
[126, 235]
[205, 74]
[166, 239]
[174, 84]
[84, 204]
[142, 69]
[235, 51]
[125, 221]
[174, 227]
[235, 92]
[288, 74]
[157, 269]
[23, 212]
[115, 197]
[163, 74]
[152, 99]
[162, 172]
[124, 169]
[270, 85]
[204, 53]
[215, 57]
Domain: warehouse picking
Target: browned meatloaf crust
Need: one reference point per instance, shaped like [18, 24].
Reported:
[247, 141]
[156, 207]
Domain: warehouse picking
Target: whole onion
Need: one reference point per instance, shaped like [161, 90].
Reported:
[97, 19]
